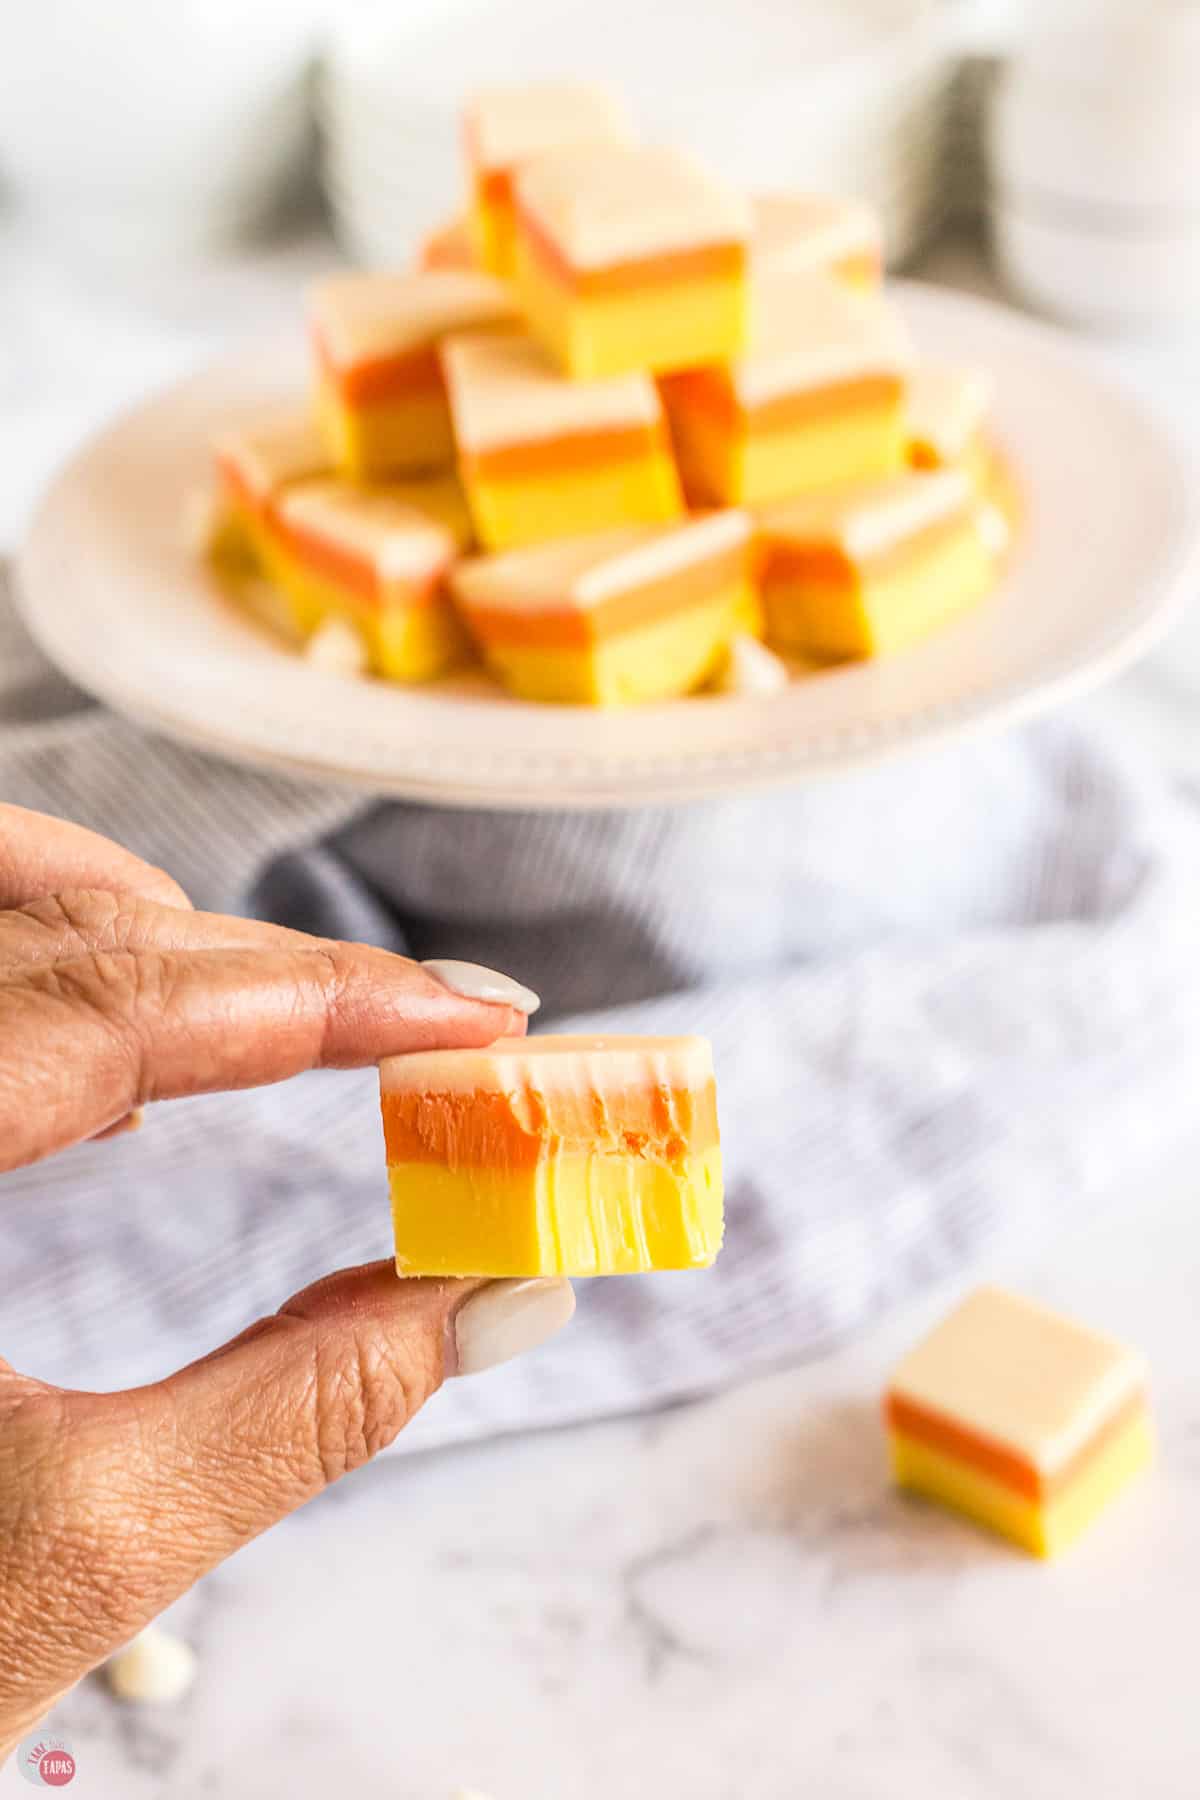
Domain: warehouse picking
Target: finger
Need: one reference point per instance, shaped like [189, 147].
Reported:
[112, 1031]
[170, 1479]
[40, 855]
[80, 921]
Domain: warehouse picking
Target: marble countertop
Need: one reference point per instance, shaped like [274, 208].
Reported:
[721, 1602]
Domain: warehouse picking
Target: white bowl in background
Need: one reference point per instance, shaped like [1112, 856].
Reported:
[1093, 146]
[1104, 279]
[192, 115]
[824, 94]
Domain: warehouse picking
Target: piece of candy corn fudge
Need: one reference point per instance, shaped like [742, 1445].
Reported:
[1025, 1421]
[554, 1156]
[448, 246]
[947, 410]
[504, 127]
[817, 399]
[635, 613]
[815, 234]
[865, 570]
[255, 462]
[630, 258]
[543, 457]
[378, 558]
[380, 395]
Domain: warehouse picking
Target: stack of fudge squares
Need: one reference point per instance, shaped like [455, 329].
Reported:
[618, 421]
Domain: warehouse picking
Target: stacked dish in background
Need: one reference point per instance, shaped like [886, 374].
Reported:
[842, 97]
[1094, 151]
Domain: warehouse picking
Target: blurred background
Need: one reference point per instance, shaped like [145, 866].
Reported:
[657, 1608]
[167, 179]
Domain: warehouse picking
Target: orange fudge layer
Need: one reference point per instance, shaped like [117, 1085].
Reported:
[507, 127]
[817, 399]
[554, 1156]
[543, 457]
[380, 393]
[872, 568]
[630, 259]
[448, 246]
[1026, 1421]
[377, 558]
[625, 615]
[811, 234]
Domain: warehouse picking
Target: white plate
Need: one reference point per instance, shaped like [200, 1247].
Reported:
[112, 590]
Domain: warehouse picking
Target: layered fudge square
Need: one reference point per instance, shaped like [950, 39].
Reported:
[381, 399]
[635, 613]
[543, 457]
[630, 258]
[504, 128]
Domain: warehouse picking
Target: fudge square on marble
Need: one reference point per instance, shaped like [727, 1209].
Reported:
[1027, 1422]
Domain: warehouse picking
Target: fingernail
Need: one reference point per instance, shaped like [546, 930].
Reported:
[474, 982]
[505, 1318]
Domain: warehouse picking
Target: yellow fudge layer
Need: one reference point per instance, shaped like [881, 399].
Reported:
[492, 231]
[368, 440]
[543, 457]
[752, 464]
[662, 325]
[817, 399]
[1043, 1527]
[377, 558]
[574, 1214]
[630, 258]
[872, 569]
[554, 1156]
[657, 661]
[530, 509]
[506, 127]
[631, 614]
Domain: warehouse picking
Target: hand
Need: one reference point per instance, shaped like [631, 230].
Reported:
[114, 992]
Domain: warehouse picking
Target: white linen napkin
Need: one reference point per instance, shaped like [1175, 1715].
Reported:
[950, 999]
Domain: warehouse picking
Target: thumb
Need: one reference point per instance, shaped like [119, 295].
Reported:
[168, 1480]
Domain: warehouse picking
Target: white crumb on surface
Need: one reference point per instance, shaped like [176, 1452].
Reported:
[750, 668]
[155, 1666]
[337, 648]
[993, 528]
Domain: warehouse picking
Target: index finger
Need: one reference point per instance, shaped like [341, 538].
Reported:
[85, 1041]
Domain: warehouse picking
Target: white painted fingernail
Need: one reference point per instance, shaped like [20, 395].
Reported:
[474, 982]
[155, 1666]
[505, 1318]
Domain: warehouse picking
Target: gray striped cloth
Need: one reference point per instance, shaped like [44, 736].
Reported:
[951, 999]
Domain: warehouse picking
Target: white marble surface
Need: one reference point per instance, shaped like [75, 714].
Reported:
[724, 1602]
